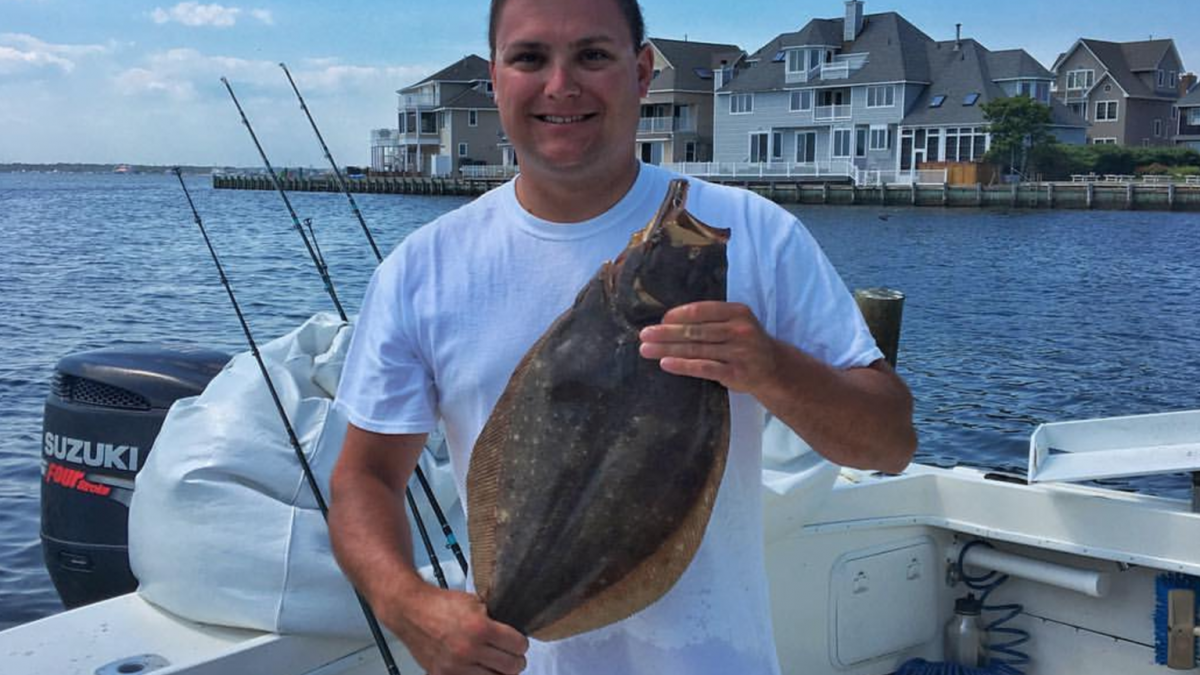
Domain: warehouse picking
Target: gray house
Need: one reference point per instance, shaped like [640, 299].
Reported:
[677, 113]
[871, 93]
[447, 121]
[1127, 90]
[1187, 133]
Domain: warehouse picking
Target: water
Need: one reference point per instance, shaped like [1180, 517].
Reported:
[1011, 318]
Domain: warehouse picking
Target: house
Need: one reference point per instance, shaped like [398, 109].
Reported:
[871, 93]
[1187, 133]
[445, 122]
[1127, 90]
[677, 113]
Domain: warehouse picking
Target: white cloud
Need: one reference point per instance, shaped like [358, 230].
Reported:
[196, 14]
[20, 52]
[141, 80]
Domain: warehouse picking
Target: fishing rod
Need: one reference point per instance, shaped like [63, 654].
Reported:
[295, 219]
[372, 622]
[323, 270]
[336, 171]
[451, 540]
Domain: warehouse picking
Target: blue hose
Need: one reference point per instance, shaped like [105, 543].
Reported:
[1004, 656]
[923, 667]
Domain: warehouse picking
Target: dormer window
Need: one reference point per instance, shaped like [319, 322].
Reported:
[937, 101]
[971, 99]
[703, 73]
[795, 60]
[779, 57]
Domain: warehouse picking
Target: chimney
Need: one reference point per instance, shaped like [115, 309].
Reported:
[957, 36]
[854, 20]
[1186, 81]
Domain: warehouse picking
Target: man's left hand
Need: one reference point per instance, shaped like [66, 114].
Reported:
[720, 341]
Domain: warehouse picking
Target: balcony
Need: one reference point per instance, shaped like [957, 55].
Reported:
[843, 66]
[665, 125]
[827, 113]
[800, 76]
[417, 101]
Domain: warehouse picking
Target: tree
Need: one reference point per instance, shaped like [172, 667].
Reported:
[1020, 127]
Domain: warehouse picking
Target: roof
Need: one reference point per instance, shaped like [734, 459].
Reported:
[470, 68]
[955, 74]
[1013, 64]
[1123, 59]
[1192, 97]
[685, 57]
[471, 98]
[896, 51]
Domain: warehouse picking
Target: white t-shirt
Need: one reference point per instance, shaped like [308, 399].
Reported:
[451, 312]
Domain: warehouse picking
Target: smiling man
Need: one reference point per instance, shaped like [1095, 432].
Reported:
[453, 309]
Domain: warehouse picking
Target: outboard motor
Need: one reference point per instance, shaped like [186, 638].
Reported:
[104, 410]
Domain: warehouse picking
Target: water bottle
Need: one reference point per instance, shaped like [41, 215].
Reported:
[966, 639]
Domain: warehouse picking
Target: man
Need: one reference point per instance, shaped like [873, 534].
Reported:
[455, 307]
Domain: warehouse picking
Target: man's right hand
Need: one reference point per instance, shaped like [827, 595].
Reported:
[449, 633]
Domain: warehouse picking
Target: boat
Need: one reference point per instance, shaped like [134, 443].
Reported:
[866, 570]
[122, 168]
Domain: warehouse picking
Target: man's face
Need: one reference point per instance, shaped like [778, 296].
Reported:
[568, 84]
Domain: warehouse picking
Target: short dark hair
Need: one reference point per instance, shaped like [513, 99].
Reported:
[629, 9]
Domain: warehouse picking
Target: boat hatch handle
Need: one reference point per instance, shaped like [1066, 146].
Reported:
[134, 665]
[1088, 582]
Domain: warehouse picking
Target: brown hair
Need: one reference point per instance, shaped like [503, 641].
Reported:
[629, 9]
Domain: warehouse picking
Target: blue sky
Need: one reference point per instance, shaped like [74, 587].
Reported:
[137, 81]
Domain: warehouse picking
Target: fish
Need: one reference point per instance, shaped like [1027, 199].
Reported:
[591, 484]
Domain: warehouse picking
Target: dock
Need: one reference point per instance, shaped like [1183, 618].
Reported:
[1131, 195]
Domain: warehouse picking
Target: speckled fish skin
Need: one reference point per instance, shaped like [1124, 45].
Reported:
[591, 484]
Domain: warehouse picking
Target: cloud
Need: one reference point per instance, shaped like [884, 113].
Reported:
[196, 14]
[22, 52]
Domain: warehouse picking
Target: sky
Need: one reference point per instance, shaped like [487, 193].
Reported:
[138, 81]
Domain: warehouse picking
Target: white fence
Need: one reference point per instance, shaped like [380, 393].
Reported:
[488, 171]
[892, 177]
[837, 169]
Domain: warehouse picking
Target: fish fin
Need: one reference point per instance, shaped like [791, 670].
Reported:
[655, 575]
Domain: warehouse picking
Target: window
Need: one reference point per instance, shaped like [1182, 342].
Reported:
[1106, 111]
[1042, 92]
[462, 149]
[1104, 141]
[703, 73]
[779, 57]
[740, 104]
[1194, 116]
[758, 147]
[1162, 79]
[965, 144]
[881, 138]
[776, 145]
[795, 61]
[1080, 79]
[841, 142]
[689, 151]
[806, 147]
[883, 96]
[1158, 128]
[937, 101]
[1173, 79]
[970, 99]
[1108, 88]
[860, 142]
[801, 100]
[472, 118]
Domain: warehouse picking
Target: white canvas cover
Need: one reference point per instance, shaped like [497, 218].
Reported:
[223, 528]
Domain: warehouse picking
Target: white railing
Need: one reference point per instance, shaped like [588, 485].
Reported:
[834, 169]
[488, 171]
[665, 124]
[893, 177]
[1192, 180]
[384, 137]
[831, 112]
[417, 100]
[794, 77]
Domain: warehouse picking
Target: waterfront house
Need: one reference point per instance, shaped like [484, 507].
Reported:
[677, 113]
[871, 97]
[1127, 90]
[1187, 113]
[446, 121]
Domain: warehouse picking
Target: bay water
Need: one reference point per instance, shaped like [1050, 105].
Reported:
[1011, 318]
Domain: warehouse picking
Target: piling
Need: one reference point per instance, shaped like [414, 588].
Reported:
[882, 308]
[1129, 196]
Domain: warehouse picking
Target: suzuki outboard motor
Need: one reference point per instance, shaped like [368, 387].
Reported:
[104, 410]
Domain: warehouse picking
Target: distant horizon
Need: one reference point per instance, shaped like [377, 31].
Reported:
[140, 84]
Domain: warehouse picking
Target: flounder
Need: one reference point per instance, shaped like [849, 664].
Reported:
[590, 486]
